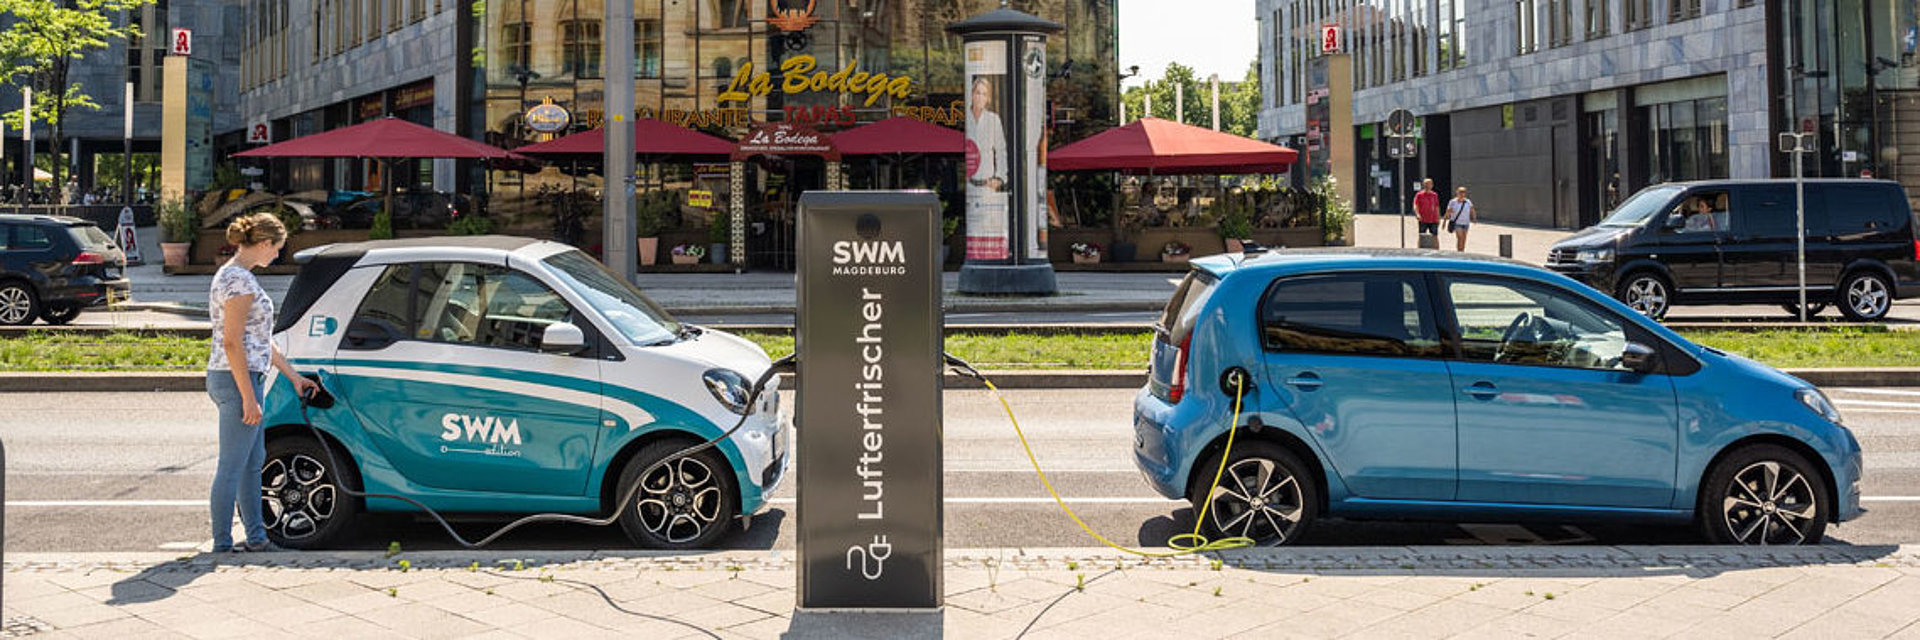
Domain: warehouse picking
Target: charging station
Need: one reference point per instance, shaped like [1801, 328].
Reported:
[868, 334]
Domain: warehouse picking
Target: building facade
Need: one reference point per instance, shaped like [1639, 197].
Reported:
[1553, 110]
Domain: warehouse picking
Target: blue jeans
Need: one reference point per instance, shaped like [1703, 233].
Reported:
[243, 450]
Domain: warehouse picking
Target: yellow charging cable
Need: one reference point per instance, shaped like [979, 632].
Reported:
[1183, 544]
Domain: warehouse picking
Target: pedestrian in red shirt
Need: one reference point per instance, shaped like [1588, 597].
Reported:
[1426, 205]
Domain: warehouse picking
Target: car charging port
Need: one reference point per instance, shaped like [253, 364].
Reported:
[1236, 382]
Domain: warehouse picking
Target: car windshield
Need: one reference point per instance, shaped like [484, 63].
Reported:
[630, 312]
[1640, 207]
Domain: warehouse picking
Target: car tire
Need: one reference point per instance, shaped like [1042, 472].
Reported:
[59, 314]
[1763, 495]
[1813, 309]
[18, 304]
[303, 495]
[1266, 494]
[688, 503]
[1865, 296]
[1647, 293]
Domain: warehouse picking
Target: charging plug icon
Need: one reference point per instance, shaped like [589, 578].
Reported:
[873, 557]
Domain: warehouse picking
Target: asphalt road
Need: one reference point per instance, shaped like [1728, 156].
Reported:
[99, 472]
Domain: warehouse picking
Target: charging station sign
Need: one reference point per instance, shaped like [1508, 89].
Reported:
[868, 341]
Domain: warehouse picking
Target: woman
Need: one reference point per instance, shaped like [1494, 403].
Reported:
[988, 138]
[242, 351]
[1459, 217]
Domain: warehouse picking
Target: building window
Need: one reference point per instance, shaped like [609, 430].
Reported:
[1421, 26]
[1678, 10]
[1688, 140]
[730, 14]
[516, 44]
[1638, 14]
[1453, 21]
[646, 48]
[1597, 18]
[580, 48]
[419, 9]
[1525, 31]
[1559, 22]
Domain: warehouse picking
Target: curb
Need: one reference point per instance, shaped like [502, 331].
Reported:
[952, 306]
[116, 382]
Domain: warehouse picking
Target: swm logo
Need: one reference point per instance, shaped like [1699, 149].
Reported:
[480, 429]
[845, 252]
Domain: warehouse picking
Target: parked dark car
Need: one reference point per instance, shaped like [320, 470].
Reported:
[52, 267]
[416, 210]
[1732, 242]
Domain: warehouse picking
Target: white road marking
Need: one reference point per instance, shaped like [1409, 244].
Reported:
[950, 500]
[105, 503]
[1883, 392]
[1040, 500]
[1876, 403]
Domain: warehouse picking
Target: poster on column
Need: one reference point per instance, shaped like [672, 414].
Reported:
[1033, 65]
[987, 217]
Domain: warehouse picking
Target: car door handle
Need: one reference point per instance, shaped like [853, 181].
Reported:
[1306, 382]
[1482, 390]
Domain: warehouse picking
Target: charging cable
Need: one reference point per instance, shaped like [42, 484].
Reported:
[1183, 544]
[753, 397]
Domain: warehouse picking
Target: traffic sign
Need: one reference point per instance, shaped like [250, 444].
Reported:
[259, 133]
[129, 241]
[1403, 149]
[1400, 123]
[1330, 38]
[182, 42]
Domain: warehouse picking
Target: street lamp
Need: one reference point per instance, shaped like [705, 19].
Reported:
[1132, 70]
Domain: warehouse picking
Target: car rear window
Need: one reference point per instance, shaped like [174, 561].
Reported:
[1184, 308]
[90, 237]
[1374, 314]
[31, 237]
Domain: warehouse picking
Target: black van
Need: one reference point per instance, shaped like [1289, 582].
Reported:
[1732, 242]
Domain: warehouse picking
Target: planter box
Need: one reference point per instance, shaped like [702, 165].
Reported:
[1204, 241]
[687, 259]
[1080, 259]
[1060, 241]
[1179, 258]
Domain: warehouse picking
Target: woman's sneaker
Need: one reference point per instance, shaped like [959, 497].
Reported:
[256, 547]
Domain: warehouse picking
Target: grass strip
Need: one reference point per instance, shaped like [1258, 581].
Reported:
[54, 351]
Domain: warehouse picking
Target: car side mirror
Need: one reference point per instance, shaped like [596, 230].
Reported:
[1676, 221]
[1640, 358]
[563, 338]
[369, 334]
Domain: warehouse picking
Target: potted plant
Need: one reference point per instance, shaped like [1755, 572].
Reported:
[719, 233]
[1086, 252]
[649, 218]
[1236, 221]
[1174, 251]
[1131, 223]
[178, 224]
[688, 253]
[470, 225]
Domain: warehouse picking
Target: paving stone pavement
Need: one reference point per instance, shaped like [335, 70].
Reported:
[1375, 592]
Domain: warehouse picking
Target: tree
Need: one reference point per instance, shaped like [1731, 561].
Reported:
[1239, 101]
[43, 39]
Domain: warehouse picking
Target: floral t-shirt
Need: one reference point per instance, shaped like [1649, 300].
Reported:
[234, 281]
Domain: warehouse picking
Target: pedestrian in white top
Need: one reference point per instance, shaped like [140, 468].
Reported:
[242, 353]
[1459, 217]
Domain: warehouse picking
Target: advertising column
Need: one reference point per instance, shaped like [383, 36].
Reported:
[1006, 81]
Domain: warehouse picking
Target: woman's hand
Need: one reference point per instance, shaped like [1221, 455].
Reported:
[304, 387]
[250, 412]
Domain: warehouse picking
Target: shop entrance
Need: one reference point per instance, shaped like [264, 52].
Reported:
[774, 184]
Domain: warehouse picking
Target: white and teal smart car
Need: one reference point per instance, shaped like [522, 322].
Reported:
[507, 376]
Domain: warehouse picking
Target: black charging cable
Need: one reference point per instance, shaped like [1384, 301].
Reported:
[753, 397]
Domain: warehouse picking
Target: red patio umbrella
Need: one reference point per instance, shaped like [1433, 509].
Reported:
[1152, 145]
[900, 135]
[650, 137]
[386, 139]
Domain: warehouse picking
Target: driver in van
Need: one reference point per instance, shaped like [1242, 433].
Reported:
[1700, 216]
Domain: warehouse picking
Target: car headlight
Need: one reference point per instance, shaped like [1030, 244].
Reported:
[1818, 403]
[728, 387]
[1604, 254]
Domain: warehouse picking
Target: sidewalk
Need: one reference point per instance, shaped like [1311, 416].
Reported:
[1412, 592]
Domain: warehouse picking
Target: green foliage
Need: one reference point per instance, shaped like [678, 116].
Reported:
[179, 222]
[948, 226]
[1235, 213]
[651, 211]
[720, 228]
[226, 177]
[42, 41]
[1239, 101]
[1335, 212]
[382, 227]
[470, 225]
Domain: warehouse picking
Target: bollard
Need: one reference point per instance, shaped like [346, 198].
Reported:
[1506, 245]
[1429, 241]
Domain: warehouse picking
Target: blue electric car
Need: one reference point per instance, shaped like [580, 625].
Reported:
[1392, 384]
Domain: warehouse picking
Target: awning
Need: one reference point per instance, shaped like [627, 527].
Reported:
[650, 137]
[383, 138]
[899, 135]
[1152, 145]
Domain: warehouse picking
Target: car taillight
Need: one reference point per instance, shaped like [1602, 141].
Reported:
[1178, 385]
[89, 258]
[1916, 250]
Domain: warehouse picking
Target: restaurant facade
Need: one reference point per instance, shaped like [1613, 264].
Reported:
[722, 67]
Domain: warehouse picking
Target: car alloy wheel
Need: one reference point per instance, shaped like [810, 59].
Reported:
[1768, 503]
[1646, 294]
[1867, 297]
[1265, 494]
[298, 496]
[17, 305]
[685, 503]
[1763, 495]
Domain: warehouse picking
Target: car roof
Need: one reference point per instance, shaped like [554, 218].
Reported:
[1742, 181]
[488, 248]
[1350, 258]
[67, 221]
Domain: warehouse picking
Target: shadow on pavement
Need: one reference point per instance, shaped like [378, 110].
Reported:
[808, 625]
